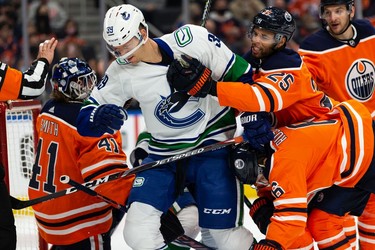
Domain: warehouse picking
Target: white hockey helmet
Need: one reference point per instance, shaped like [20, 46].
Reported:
[121, 25]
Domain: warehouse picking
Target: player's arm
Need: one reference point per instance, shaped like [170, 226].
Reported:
[103, 111]
[271, 92]
[31, 83]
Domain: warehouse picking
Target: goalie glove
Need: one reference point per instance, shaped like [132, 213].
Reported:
[190, 76]
[267, 245]
[261, 213]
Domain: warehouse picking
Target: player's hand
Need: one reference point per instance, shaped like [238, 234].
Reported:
[108, 118]
[47, 49]
[261, 212]
[267, 245]
[257, 128]
[137, 156]
[191, 76]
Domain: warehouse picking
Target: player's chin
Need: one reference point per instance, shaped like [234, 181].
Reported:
[132, 59]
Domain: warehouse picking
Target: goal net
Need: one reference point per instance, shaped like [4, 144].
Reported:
[17, 143]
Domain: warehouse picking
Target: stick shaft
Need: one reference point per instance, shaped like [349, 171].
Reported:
[18, 204]
[206, 12]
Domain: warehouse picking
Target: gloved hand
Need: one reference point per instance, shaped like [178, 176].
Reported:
[267, 245]
[261, 212]
[137, 156]
[257, 128]
[108, 118]
[191, 76]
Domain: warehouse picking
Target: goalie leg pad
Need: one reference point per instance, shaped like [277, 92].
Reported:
[142, 225]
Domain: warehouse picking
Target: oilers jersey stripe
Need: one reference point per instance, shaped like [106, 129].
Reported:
[352, 142]
[78, 227]
[67, 222]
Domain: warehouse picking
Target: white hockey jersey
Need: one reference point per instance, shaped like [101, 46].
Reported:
[200, 119]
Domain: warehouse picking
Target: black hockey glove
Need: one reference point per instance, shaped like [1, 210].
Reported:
[171, 227]
[261, 212]
[257, 128]
[267, 245]
[137, 156]
[191, 76]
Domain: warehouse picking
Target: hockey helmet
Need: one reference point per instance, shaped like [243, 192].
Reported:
[244, 161]
[323, 3]
[121, 25]
[274, 19]
[73, 77]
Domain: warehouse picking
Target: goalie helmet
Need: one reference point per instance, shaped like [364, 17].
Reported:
[274, 19]
[323, 3]
[73, 77]
[121, 24]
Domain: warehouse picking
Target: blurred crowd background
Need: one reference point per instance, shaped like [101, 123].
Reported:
[78, 24]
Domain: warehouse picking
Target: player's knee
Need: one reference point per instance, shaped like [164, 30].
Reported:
[142, 225]
[188, 217]
[238, 238]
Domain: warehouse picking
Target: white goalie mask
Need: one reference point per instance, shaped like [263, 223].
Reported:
[121, 26]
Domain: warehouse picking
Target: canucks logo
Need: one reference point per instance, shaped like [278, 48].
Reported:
[164, 110]
[125, 15]
[360, 80]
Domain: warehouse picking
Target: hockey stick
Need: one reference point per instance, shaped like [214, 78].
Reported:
[247, 202]
[206, 12]
[19, 204]
[181, 238]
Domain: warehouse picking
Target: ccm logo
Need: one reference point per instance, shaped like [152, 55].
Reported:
[216, 211]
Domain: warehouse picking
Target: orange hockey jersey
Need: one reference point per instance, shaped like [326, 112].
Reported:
[17, 85]
[281, 81]
[344, 71]
[62, 151]
[310, 156]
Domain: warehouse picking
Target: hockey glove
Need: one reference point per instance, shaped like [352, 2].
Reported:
[170, 227]
[191, 76]
[137, 156]
[108, 118]
[257, 128]
[261, 212]
[267, 245]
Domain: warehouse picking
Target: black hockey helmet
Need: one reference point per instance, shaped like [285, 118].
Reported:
[277, 20]
[323, 3]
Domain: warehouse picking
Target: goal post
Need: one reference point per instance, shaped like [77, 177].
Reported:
[17, 153]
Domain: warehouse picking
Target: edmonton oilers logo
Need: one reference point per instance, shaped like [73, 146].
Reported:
[360, 80]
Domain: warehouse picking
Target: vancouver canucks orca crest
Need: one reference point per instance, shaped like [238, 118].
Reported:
[164, 114]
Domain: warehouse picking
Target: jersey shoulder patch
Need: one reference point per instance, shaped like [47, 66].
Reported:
[183, 36]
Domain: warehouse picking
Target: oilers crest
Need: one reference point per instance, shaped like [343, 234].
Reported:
[360, 80]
